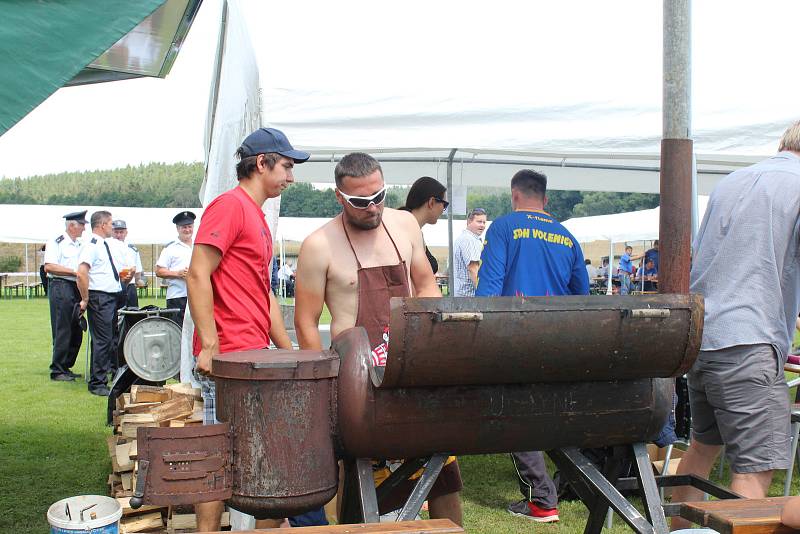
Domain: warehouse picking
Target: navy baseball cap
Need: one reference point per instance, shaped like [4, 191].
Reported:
[266, 140]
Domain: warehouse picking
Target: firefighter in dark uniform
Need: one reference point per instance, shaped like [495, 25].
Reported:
[100, 284]
[60, 264]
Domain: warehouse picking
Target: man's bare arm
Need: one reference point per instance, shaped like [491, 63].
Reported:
[205, 260]
[59, 270]
[472, 269]
[163, 272]
[309, 293]
[83, 284]
[422, 279]
[277, 330]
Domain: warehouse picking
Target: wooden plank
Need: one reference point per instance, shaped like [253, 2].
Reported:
[141, 523]
[127, 480]
[141, 407]
[738, 516]
[137, 418]
[141, 393]
[185, 389]
[133, 451]
[125, 503]
[429, 526]
[123, 456]
[180, 406]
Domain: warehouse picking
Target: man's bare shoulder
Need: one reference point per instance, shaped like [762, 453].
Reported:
[325, 238]
[401, 219]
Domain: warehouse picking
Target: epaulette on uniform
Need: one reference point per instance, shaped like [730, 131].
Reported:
[133, 248]
[60, 238]
[94, 241]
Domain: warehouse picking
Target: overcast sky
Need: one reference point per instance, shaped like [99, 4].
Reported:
[400, 48]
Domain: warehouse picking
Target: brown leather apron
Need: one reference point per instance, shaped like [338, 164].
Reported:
[376, 285]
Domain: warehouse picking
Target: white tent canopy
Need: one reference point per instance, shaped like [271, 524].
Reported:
[639, 225]
[576, 94]
[41, 223]
[154, 225]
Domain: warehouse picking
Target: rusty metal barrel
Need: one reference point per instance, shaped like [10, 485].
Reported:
[278, 404]
[505, 340]
[408, 422]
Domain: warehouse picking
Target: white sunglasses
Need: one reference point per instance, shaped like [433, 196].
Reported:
[362, 203]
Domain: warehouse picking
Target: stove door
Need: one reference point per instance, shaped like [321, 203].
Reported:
[183, 465]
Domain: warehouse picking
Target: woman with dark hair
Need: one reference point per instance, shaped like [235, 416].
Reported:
[426, 201]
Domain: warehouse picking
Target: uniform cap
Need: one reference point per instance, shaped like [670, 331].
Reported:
[270, 140]
[77, 216]
[184, 218]
[119, 224]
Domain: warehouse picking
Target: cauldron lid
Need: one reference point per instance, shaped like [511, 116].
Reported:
[276, 365]
[152, 348]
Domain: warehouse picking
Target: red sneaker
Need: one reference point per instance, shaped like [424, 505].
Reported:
[527, 509]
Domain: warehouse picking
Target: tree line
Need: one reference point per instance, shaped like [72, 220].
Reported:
[162, 185]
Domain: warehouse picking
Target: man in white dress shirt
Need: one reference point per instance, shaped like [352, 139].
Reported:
[100, 283]
[60, 264]
[173, 263]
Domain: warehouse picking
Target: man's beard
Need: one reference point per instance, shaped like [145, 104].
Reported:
[370, 224]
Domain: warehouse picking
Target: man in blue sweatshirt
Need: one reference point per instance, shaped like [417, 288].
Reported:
[528, 253]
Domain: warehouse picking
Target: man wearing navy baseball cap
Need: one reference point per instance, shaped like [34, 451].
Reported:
[229, 288]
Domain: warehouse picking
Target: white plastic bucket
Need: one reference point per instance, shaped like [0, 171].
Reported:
[106, 510]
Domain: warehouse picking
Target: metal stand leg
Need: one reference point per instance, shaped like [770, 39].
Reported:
[787, 485]
[423, 487]
[360, 498]
[366, 490]
[650, 493]
[595, 491]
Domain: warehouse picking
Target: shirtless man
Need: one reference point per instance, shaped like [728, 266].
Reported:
[346, 265]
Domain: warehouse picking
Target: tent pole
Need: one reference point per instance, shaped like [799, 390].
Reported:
[676, 150]
[27, 289]
[450, 281]
[609, 287]
[695, 209]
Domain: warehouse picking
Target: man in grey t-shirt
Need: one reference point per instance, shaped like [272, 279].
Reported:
[745, 264]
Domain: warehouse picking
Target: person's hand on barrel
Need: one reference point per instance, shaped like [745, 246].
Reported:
[205, 358]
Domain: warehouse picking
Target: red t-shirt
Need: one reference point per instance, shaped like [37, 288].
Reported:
[235, 225]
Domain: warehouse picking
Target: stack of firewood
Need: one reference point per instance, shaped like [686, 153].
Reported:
[173, 405]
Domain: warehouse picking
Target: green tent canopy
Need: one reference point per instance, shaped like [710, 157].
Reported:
[45, 43]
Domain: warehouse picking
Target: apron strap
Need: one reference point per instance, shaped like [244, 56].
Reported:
[344, 227]
[399, 259]
[396, 251]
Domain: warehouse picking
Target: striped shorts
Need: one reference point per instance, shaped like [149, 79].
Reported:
[208, 389]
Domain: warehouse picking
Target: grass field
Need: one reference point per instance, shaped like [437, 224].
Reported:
[52, 441]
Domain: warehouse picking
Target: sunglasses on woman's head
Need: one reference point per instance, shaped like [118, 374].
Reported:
[362, 203]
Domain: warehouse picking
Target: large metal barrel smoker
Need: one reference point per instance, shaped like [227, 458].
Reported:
[463, 376]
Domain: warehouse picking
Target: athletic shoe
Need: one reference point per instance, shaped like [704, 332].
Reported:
[527, 509]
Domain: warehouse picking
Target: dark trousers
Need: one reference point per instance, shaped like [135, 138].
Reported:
[67, 335]
[102, 311]
[534, 482]
[132, 296]
[180, 303]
